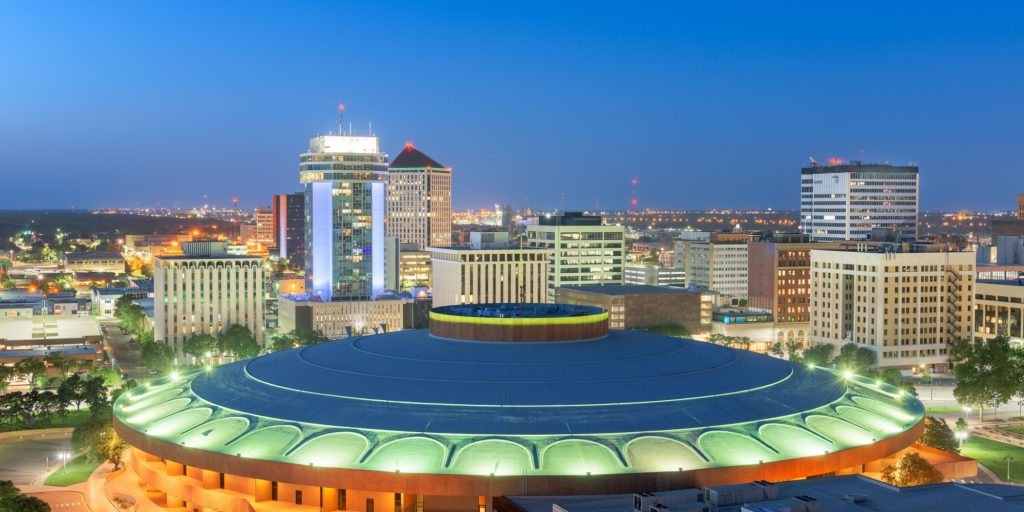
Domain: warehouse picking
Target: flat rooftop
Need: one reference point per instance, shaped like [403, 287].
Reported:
[832, 494]
[518, 310]
[43, 329]
[625, 289]
[1004, 282]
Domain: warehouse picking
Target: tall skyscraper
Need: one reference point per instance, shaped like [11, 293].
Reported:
[419, 200]
[345, 178]
[585, 251]
[290, 226]
[845, 201]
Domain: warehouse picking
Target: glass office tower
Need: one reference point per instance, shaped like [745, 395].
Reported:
[344, 178]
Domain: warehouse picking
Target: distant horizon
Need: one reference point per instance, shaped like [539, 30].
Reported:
[536, 105]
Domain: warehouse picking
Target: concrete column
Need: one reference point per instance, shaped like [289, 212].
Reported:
[174, 468]
[174, 502]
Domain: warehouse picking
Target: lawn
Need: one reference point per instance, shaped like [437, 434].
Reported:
[1013, 429]
[74, 419]
[990, 454]
[76, 472]
[943, 409]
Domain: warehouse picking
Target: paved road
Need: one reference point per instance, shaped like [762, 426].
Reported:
[124, 352]
[25, 462]
[63, 501]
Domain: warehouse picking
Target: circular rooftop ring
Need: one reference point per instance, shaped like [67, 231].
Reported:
[519, 322]
[410, 401]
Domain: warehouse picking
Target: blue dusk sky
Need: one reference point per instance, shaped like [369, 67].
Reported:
[706, 104]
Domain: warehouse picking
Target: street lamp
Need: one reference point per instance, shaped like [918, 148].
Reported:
[1008, 460]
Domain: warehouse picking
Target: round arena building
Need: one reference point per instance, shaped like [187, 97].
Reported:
[496, 400]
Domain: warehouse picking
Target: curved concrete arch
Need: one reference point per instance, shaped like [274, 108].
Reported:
[330, 449]
[179, 422]
[867, 419]
[216, 432]
[271, 441]
[158, 411]
[408, 454]
[725, 448]
[794, 441]
[498, 454]
[838, 430]
[580, 456]
[662, 453]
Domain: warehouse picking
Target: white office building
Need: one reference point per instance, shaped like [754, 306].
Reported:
[205, 292]
[845, 201]
[584, 251]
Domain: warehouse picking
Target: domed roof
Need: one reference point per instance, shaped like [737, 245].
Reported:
[625, 402]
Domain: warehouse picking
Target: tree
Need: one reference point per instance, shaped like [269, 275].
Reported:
[673, 330]
[156, 356]
[110, 377]
[12, 500]
[6, 376]
[62, 362]
[912, 469]
[776, 349]
[238, 340]
[818, 355]
[71, 391]
[31, 369]
[130, 314]
[200, 345]
[855, 359]
[987, 372]
[937, 434]
[283, 341]
[307, 337]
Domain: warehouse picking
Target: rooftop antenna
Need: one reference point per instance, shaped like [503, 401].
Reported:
[341, 119]
[371, 128]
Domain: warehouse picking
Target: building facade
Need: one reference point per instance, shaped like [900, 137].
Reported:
[584, 251]
[339, 319]
[640, 306]
[345, 178]
[289, 211]
[419, 200]
[999, 310]
[845, 201]
[75, 262]
[906, 305]
[779, 273]
[485, 273]
[206, 293]
[654, 275]
[717, 262]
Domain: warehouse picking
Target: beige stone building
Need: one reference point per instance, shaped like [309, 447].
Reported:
[906, 304]
[487, 272]
[206, 293]
[419, 200]
[999, 310]
[340, 318]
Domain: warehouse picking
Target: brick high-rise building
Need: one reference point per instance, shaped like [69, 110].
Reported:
[419, 200]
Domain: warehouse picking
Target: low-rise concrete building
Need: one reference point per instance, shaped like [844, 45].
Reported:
[639, 306]
[340, 318]
[75, 262]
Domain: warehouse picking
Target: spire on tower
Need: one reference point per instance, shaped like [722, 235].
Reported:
[341, 119]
